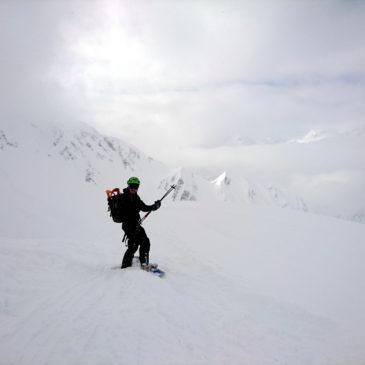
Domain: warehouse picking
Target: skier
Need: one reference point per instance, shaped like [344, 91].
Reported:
[136, 235]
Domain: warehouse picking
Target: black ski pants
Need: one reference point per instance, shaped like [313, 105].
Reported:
[136, 238]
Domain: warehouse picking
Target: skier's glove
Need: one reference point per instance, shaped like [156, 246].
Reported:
[156, 205]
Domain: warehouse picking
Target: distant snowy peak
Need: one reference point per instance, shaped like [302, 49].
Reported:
[221, 180]
[186, 186]
[71, 142]
[242, 190]
[321, 135]
[189, 186]
[79, 146]
[310, 137]
[313, 136]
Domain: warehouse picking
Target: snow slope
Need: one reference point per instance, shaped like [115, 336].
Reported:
[245, 283]
[255, 286]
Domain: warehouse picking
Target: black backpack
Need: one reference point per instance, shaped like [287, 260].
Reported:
[115, 205]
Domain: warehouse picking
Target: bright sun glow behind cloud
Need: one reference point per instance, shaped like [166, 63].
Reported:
[212, 71]
[190, 74]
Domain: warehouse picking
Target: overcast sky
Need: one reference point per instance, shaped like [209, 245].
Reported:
[174, 76]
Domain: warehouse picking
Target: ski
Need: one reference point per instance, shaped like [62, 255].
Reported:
[152, 268]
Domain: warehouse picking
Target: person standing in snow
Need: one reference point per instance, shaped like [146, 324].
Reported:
[136, 235]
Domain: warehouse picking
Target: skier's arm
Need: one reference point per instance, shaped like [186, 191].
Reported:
[149, 208]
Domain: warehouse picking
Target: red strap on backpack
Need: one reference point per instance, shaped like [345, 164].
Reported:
[110, 193]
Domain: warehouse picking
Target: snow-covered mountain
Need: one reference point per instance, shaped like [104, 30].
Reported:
[39, 160]
[101, 158]
[240, 188]
[42, 162]
[321, 172]
[245, 282]
[189, 185]
[79, 145]
[312, 136]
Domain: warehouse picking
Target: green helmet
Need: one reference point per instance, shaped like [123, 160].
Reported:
[133, 181]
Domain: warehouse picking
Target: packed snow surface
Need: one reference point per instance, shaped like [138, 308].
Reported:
[242, 286]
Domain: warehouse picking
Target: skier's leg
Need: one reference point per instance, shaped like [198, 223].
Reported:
[144, 248]
[131, 250]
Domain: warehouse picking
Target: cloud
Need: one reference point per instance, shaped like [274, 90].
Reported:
[194, 73]
[338, 191]
[30, 44]
[199, 73]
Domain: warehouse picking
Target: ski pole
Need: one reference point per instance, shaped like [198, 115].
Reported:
[172, 187]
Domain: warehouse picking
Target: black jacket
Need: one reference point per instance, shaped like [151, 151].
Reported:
[132, 205]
